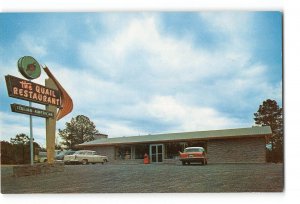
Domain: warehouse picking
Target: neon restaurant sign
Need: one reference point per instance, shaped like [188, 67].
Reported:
[51, 97]
[29, 91]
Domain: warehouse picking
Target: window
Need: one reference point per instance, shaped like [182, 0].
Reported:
[123, 152]
[140, 151]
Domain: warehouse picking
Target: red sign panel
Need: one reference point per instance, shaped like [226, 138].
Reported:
[29, 91]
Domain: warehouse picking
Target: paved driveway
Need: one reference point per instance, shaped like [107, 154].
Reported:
[140, 178]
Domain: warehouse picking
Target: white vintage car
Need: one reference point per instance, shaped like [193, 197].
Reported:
[42, 157]
[85, 157]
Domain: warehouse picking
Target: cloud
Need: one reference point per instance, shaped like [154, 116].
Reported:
[231, 28]
[141, 47]
[143, 57]
[186, 117]
[33, 46]
[118, 129]
[232, 23]
[161, 55]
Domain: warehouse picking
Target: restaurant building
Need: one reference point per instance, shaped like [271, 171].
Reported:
[242, 145]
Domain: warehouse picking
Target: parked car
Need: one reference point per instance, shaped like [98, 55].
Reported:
[43, 156]
[85, 157]
[62, 154]
[193, 154]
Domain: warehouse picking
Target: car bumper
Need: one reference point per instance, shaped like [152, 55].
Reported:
[193, 159]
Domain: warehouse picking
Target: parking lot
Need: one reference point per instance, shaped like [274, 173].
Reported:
[151, 178]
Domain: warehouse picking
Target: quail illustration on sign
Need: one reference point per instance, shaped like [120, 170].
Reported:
[29, 67]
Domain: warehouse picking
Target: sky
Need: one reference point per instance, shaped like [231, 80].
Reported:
[137, 73]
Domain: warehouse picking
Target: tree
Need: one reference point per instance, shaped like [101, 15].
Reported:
[58, 147]
[270, 114]
[78, 131]
[19, 144]
[21, 148]
[21, 139]
[7, 153]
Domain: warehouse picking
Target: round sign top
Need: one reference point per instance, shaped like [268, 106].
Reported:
[29, 67]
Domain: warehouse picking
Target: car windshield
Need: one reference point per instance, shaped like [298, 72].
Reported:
[194, 150]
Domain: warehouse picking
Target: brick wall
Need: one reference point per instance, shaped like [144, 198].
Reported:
[243, 150]
[109, 151]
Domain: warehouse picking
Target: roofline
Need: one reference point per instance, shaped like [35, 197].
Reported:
[177, 140]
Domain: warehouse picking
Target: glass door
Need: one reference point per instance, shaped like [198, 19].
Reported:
[156, 153]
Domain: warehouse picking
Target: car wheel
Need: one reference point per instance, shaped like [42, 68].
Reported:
[189, 163]
[183, 163]
[85, 162]
[105, 160]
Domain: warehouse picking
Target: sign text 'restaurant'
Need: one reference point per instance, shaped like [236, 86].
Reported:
[27, 90]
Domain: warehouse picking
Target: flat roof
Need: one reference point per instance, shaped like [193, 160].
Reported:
[256, 131]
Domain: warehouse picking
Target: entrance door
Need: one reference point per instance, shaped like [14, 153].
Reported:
[156, 153]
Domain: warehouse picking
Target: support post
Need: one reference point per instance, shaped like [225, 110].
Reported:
[31, 137]
[50, 126]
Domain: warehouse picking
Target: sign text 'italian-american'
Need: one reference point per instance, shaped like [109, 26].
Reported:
[31, 111]
[29, 91]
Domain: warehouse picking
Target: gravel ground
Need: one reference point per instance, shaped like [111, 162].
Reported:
[152, 178]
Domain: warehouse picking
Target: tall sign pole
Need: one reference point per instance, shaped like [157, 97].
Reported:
[30, 69]
[31, 137]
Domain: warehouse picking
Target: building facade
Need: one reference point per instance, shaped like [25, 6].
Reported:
[242, 145]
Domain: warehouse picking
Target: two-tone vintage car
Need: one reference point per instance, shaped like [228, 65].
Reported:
[62, 154]
[42, 157]
[85, 157]
[193, 155]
